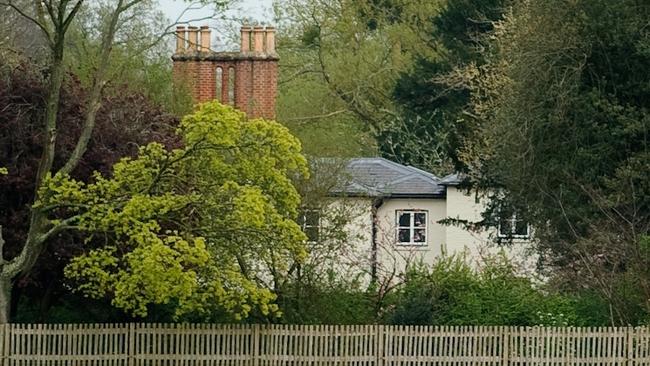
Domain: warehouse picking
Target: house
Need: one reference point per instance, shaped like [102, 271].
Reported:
[391, 214]
[396, 215]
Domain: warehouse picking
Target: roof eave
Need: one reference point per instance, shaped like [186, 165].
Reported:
[387, 195]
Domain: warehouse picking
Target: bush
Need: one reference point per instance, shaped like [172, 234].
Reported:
[451, 292]
[330, 301]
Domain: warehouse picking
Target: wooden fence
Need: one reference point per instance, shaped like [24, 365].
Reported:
[301, 345]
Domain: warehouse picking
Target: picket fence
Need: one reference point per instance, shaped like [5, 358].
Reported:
[301, 345]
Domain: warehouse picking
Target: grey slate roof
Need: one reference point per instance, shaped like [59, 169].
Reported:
[379, 177]
[452, 179]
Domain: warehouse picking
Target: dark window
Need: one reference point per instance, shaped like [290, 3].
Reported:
[309, 221]
[231, 85]
[512, 226]
[411, 227]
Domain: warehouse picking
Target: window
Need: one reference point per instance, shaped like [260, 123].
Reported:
[231, 85]
[219, 82]
[411, 227]
[309, 221]
[512, 226]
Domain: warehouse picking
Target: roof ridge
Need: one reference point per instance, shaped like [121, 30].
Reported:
[429, 174]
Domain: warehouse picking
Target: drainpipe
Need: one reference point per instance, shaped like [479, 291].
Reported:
[376, 204]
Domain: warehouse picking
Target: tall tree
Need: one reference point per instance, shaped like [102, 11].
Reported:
[433, 121]
[345, 57]
[202, 226]
[126, 120]
[55, 19]
[561, 134]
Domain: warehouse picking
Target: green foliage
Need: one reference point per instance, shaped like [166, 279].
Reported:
[433, 124]
[331, 301]
[451, 292]
[195, 226]
[339, 65]
[140, 57]
[560, 128]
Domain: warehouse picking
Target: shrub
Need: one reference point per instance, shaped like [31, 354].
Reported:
[452, 292]
[330, 301]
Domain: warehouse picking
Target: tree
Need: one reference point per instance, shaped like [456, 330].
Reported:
[126, 120]
[433, 124]
[200, 226]
[345, 58]
[54, 20]
[561, 123]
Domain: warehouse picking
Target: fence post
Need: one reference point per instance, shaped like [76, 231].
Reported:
[379, 345]
[6, 336]
[505, 349]
[131, 345]
[255, 353]
[629, 340]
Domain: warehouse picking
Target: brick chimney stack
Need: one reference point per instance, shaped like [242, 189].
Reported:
[246, 79]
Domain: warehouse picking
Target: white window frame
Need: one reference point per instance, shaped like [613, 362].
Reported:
[513, 229]
[412, 228]
[304, 225]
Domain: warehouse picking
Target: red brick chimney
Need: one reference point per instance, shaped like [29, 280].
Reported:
[246, 79]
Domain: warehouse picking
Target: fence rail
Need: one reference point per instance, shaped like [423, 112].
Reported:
[326, 345]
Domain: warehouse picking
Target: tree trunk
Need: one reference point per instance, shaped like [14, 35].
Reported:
[5, 299]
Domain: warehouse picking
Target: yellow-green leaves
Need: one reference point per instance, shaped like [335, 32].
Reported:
[3, 171]
[197, 227]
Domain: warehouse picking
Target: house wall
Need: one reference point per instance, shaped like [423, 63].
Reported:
[477, 244]
[462, 205]
[393, 256]
[354, 256]
[346, 249]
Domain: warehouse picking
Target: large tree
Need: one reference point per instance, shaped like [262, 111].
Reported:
[340, 63]
[126, 120]
[561, 122]
[432, 119]
[54, 20]
[203, 226]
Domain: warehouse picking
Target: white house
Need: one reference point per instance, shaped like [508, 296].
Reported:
[392, 211]
[394, 217]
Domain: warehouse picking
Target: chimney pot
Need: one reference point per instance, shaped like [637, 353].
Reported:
[270, 40]
[245, 38]
[192, 34]
[258, 39]
[205, 39]
[180, 39]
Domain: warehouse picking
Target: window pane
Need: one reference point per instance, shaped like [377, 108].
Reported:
[404, 219]
[312, 233]
[312, 217]
[521, 228]
[420, 219]
[505, 227]
[404, 235]
[420, 236]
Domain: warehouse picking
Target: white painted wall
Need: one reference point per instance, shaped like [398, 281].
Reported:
[477, 244]
[392, 255]
[349, 256]
[465, 206]
[355, 257]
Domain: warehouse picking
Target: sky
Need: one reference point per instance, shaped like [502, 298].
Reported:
[223, 31]
[259, 10]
